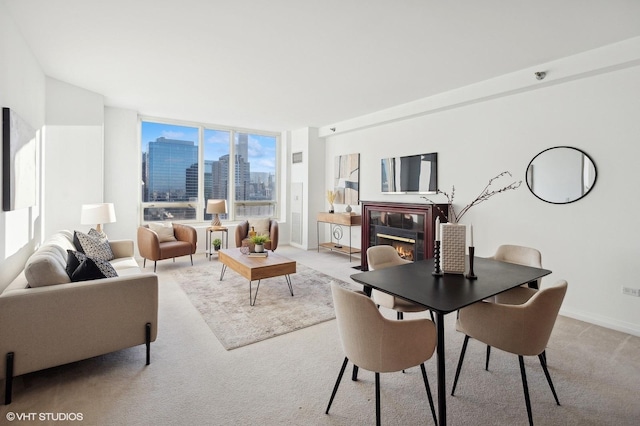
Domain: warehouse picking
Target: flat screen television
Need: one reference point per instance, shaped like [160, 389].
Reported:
[410, 174]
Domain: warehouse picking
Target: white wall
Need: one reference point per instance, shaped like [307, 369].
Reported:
[22, 88]
[593, 243]
[73, 155]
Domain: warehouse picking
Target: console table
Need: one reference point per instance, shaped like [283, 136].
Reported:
[337, 220]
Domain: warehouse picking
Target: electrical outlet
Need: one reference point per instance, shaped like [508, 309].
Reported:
[631, 291]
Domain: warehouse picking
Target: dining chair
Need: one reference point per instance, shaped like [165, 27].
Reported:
[519, 255]
[385, 256]
[378, 344]
[523, 330]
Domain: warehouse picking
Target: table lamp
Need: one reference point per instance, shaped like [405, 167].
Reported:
[97, 214]
[216, 207]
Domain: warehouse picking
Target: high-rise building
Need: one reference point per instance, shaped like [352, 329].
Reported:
[171, 165]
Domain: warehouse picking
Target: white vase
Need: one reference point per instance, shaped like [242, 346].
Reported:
[259, 248]
[453, 247]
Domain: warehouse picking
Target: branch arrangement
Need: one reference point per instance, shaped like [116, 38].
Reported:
[331, 197]
[484, 196]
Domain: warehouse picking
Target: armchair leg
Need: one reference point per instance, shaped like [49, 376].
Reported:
[155, 262]
[191, 256]
[354, 373]
[464, 349]
[378, 399]
[543, 363]
[486, 364]
[8, 378]
[335, 388]
[526, 389]
[426, 385]
[144, 262]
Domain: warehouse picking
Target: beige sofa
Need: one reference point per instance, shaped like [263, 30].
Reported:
[59, 321]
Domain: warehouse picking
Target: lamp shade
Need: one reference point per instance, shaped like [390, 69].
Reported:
[97, 214]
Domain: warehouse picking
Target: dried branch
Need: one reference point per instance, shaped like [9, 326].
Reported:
[484, 196]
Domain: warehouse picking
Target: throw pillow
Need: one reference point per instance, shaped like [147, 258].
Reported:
[80, 267]
[260, 225]
[164, 231]
[93, 245]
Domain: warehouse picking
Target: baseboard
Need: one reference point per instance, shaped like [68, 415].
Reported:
[625, 327]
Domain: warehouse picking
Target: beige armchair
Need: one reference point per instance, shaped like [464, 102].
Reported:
[243, 228]
[153, 246]
[378, 344]
[523, 330]
[385, 256]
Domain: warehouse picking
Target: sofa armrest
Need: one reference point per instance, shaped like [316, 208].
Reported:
[273, 234]
[121, 248]
[242, 230]
[58, 324]
[148, 243]
[186, 233]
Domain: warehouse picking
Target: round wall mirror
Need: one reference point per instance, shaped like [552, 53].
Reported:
[561, 175]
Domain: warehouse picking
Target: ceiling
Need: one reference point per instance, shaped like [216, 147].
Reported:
[288, 64]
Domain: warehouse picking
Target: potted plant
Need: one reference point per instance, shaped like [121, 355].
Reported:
[259, 241]
[216, 243]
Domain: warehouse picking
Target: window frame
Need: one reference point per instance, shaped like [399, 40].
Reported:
[200, 204]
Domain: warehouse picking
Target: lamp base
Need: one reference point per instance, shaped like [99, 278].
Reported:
[216, 220]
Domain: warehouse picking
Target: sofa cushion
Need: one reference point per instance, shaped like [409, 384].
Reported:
[81, 267]
[164, 231]
[46, 267]
[260, 225]
[93, 245]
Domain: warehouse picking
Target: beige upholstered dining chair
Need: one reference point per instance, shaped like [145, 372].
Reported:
[379, 344]
[384, 256]
[519, 255]
[523, 330]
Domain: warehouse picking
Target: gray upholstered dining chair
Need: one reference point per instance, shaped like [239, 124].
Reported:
[523, 330]
[519, 255]
[379, 344]
[385, 256]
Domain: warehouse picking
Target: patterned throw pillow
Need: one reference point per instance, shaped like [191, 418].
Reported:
[80, 267]
[93, 245]
[164, 231]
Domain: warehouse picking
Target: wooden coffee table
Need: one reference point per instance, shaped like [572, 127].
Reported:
[257, 268]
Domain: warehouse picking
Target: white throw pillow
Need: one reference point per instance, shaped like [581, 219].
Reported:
[260, 225]
[164, 231]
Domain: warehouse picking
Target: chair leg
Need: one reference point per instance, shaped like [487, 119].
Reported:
[426, 385]
[335, 388]
[378, 399]
[155, 263]
[432, 318]
[354, 374]
[543, 363]
[464, 349]
[486, 364]
[191, 256]
[526, 389]
[400, 316]
[144, 262]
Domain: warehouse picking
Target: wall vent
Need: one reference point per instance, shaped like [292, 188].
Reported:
[296, 157]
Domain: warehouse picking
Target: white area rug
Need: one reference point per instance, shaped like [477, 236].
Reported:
[224, 305]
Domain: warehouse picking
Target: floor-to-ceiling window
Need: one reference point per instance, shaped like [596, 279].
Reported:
[184, 165]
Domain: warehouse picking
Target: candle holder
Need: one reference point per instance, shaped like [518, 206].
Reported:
[471, 275]
[436, 259]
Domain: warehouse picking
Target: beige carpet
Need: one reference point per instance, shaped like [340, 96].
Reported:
[224, 305]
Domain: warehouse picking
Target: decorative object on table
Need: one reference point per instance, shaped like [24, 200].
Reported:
[348, 209]
[252, 232]
[347, 179]
[337, 234]
[216, 243]
[245, 249]
[259, 254]
[259, 241]
[472, 250]
[454, 238]
[98, 214]
[331, 197]
[453, 234]
[436, 249]
[453, 216]
[215, 208]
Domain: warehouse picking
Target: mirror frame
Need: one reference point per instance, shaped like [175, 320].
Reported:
[595, 178]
